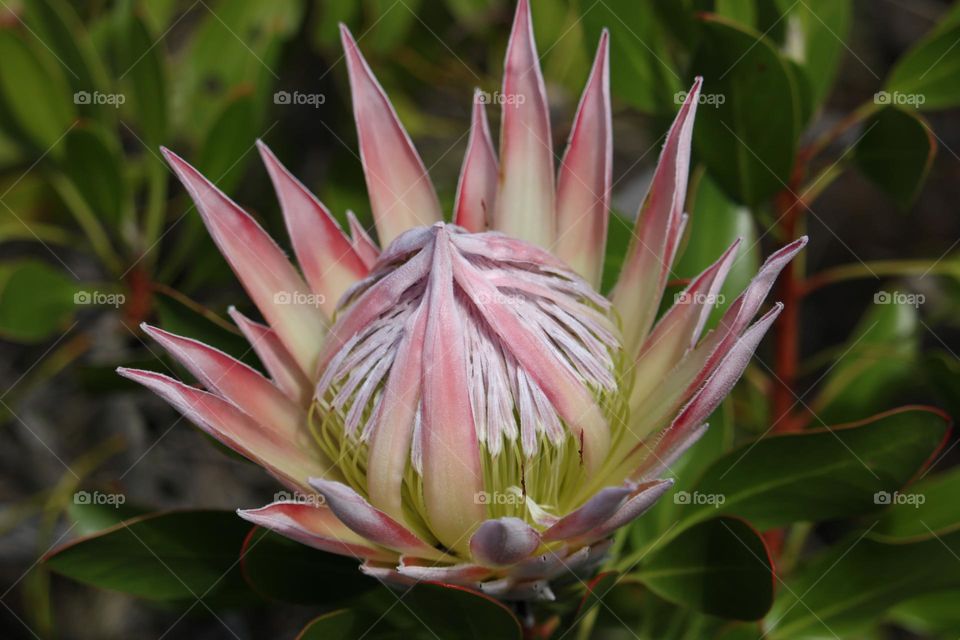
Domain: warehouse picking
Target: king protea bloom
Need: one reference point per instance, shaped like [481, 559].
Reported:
[458, 403]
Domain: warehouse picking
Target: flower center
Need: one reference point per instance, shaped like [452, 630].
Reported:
[532, 343]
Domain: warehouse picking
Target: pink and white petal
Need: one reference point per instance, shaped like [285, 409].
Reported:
[452, 473]
[387, 574]
[281, 366]
[679, 329]
[593, 513]
[641, 499]
[234, 381]
[316, 527]
[260, 265]
[370, 523]
[477, 187]
[526, 193]
[293, 459]
[459, 574]
[586, 176]
[510, 589]
[326, 256]
[657, 458]
[363, 244]
[392, 439]
[541, 362]
[503, 542]
[650, 256]
[401, 194]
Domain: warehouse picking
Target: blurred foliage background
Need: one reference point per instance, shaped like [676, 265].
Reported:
[835, 118]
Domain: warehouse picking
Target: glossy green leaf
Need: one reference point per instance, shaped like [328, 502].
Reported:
[849, 586]
[342, 623]
[816, 33]
[93, 161]
[896, 153]
[226, 150]
[720, 567]
[35, 94]
[926, 76]
[876, 365]
[91, 517]
[747, 135]
[284, 570]
[36, 301]
[447, 611]
[641, 70]
[817, 474]
[181, 555]
[927, 509]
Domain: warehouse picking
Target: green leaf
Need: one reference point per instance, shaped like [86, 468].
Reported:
[140, 65]
[91, 517]
[926, 76]
[342, 623]
[934, 614]
[817, 474]
[928, 509]
[720, 567]
[34, 92]
[748, 141]
[816, 32]
[281, 569]
[224, 153]
[854, 582]
[56, 23]
[896, 153]
[172, 556]
[392, 25]
[876, 366]
[454, 612]
[36, 301]
[94, 164]
[742, 11]
[641, 70]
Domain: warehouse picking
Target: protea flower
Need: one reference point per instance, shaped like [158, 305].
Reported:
[464, 404]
